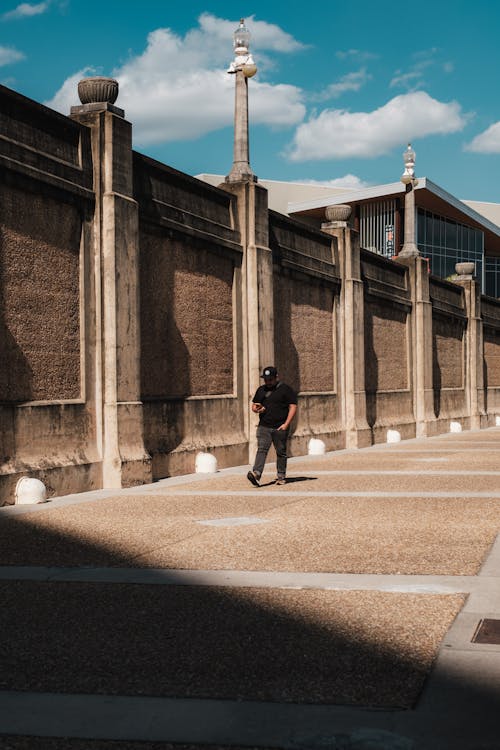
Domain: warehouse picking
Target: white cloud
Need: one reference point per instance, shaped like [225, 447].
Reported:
[177, 89]
[348, 181]
[359, 55]
[264, 35]
[487, 142]
[25, 10]
[414, 78]
[67, 94]
[350, 82]
[339, 134]
[10, 55]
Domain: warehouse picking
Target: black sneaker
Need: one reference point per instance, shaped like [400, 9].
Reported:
[253, 479]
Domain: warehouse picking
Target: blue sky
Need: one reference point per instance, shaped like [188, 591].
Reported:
[341, 87]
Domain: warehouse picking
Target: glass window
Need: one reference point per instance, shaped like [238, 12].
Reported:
[468, 239]
[421, 227]
[446, 242]
[492, 277]
[451, 234]
[428, 229]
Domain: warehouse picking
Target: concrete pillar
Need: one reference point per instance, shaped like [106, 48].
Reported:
[241, 169]
[243, 68]
[352, 344]
[257, 291]
[253, 222]
[116, 244]
[474, 363]
[421, 345]
[409, 249]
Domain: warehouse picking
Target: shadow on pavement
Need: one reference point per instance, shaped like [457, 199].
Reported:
[290, 480]
[282, 646]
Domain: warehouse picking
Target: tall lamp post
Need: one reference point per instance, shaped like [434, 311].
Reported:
[409, 249]
[243, 68]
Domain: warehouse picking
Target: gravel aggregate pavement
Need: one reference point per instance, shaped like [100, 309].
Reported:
[245, 644]
[431, 536]
[280, 643]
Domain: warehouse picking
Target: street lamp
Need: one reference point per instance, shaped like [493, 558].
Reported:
[242, 67]
[409, 249]
[409, 161]
[243, 60]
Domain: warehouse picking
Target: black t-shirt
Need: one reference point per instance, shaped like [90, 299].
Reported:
[276, 400]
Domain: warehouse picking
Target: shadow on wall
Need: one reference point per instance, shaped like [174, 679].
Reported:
[386, 359]
[491, 364]
[16, 375]
[187, 317]
[371, 370]
[485, 381]
[286, 354]
[164, 361]
[436, 375]
[40, 240]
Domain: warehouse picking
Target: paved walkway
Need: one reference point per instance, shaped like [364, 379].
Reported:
[338, 611]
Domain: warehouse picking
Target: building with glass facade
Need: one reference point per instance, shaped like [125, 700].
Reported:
[448, 230]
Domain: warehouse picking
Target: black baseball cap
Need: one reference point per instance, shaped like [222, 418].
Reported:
[269, 372]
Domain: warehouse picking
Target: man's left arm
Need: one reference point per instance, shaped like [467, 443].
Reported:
[292, 410]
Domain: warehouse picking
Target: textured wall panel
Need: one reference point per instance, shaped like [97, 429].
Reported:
[186, 320]
[304, 334]
[447, 352]
[386, 350]
[39, 298]
[492, 357]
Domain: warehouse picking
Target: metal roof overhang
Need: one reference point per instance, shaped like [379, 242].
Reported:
[428, 195]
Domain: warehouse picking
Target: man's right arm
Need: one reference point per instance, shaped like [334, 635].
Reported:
[257, 407]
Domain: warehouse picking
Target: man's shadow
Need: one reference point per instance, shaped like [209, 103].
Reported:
[289, 480]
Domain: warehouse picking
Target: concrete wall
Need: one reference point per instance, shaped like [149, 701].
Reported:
[491, 337]
[449, 351]
[191, 358]
[306, 291]
[138, 306]
[387, 342]
[48, 415]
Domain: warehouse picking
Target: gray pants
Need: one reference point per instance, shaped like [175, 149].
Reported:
[266, 436]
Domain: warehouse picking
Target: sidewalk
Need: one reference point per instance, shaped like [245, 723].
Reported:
[337, 611]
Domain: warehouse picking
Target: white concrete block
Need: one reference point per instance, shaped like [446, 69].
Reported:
[316, 447]
[455, 427]
[497, 420]
[393, 436]
[205, 463]
[30, 491]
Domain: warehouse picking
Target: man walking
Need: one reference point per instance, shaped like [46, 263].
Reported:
[276, 404]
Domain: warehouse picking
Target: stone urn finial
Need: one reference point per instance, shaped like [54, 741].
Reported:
[465, 270]
[340, 212]
[98, 89]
